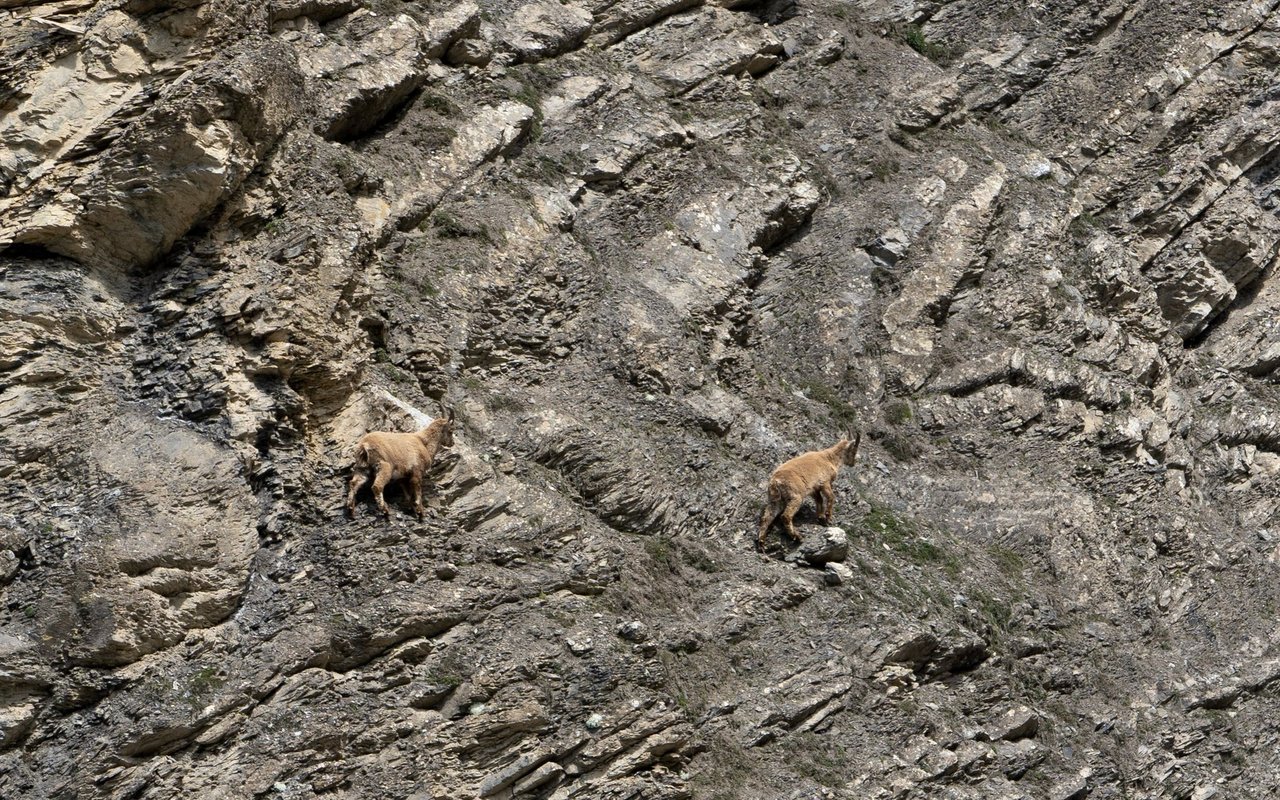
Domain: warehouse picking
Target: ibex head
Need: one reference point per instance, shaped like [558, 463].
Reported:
[851, 441]
[446, 433]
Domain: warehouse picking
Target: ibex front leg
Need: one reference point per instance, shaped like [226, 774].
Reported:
[416, 481]
[829, 497]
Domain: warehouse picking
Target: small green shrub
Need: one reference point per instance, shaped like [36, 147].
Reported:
[504, 402]
[881, 519]
[1007, 560]
[913, 36]
[699, 559]
[901, 446]
[822, 759]
[994, 610]
[903, 537]
[435, 136]
[441, 105]
[1084, 224]
[897, 412]
[202, 685]
[451, 227]
[841, 411]
[394, 372]
[659, 549]
[884, 168]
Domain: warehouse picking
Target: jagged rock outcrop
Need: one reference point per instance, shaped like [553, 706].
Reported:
[645, 252]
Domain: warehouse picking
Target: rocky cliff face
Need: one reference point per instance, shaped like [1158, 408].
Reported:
[646, 250]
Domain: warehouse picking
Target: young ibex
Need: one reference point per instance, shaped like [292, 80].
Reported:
[811, 474]
[392, 456]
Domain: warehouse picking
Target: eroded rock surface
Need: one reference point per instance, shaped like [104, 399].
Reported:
[645, 252]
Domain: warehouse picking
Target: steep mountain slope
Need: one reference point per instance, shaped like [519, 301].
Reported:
[646, 251]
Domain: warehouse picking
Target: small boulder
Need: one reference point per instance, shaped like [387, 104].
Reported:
[446, 571]
[543, 29]
[1016, 759]
[830, 544]
[16, 722]
[1075, 788]
[9, 566]
[912, 649]
[443, 29]
[633, 631]
[829, 49]
[837, 574]
[1017, 723]
[475, 52]
[938, 763]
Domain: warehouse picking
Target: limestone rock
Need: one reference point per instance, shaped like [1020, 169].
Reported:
[951, 262]
[634, 631]
[475, 52]
[616, 21]
[829, 49]
[366, 69]
[318, 10]
[1017, 723]
[929, 105]
[837, 574]
[197, 143]
[827, 545]
[723, 48]
[456, 22]
[645, 252]
[16, 721]
[543, 29]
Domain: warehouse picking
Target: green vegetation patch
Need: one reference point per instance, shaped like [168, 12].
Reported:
[913, 36]
[900, 445]
[1007, 560]
[452, 227]
[820, 758]
[995, 611]
[841, 411]
[882, 169]
[902, 536]
[439, 104]
[897, 412]
[1084, 225]
[662, 552]
[202, 685]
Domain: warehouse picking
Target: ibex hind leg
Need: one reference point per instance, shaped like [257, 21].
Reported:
[766, 522]
[380, 482]
[789, 513]
[358, 480]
